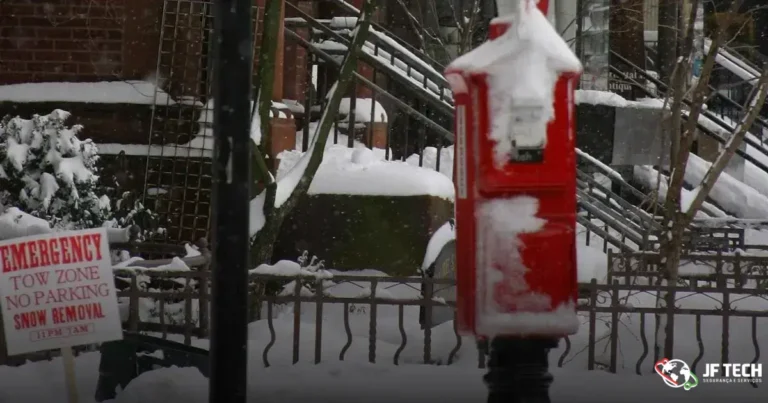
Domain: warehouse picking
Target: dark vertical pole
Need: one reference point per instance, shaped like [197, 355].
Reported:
[231, 177]
[518, 370]
[579, 46]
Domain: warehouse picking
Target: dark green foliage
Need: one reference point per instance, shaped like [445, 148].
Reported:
[46, 171]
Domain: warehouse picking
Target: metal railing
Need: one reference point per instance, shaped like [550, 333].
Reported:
[374, 319]
[398, 65]
[729, 91]
[709, 132]
[416, 52]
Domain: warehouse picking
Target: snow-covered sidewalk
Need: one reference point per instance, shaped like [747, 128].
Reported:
[341, 382]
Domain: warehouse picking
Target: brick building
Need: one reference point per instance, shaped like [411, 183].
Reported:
[135, 43]
[95, 40]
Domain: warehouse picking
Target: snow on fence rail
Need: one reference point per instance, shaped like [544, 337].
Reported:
[364, 317]
[333, 316]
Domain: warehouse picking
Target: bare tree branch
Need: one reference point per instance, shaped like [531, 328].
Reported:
[753, 106]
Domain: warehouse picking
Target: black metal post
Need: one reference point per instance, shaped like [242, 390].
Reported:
[233, 64]
[518, 370]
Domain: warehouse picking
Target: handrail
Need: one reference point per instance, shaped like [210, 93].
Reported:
[735, 54]
[623, 183]
[370, 59]
[607, 237]
[353, 10]
[608, 215]
[643, 216]
[611, 216]
[429, 73]
[322, 27]
[601, 215]
[416, 72]
[399, 103]
[727, 52]
[421, 66]
[663, 88]
[700, 126]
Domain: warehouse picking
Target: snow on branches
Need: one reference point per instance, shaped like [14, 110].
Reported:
[46, 171]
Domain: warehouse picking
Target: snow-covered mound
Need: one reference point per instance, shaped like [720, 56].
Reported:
[362, 171]
[15, 223]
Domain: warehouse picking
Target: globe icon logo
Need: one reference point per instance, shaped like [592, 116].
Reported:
[676, 374]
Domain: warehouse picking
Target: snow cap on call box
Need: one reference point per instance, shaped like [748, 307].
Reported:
[521, 66]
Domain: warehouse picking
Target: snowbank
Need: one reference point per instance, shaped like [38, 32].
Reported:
[104, 92]
[606, 98]
[591, 261]
[756, 178]
[366, 110]
[15, 223]
[362, 171]
[351, 382]
[429, 160]
[437, 242]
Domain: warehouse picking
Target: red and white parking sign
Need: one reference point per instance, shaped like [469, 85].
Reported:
[57, 290]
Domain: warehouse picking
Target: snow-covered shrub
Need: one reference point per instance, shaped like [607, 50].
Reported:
[128, 211]
[46, 171]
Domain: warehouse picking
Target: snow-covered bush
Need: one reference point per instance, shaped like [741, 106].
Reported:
[129, 211]
[46, 171]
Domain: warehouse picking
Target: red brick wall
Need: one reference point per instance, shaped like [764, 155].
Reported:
[93, 40]
[61, 40]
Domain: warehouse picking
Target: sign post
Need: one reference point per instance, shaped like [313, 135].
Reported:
[69, 374]
[57, 291]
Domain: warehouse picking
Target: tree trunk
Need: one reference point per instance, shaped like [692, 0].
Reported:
[264, 241]
[666, 47]
[671, 253]
[677, 219]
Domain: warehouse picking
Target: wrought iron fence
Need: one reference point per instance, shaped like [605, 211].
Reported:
[721, 269]
[611, 305]
[315, 317]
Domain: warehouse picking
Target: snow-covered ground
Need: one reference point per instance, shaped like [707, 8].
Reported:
[342, 382]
